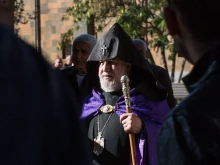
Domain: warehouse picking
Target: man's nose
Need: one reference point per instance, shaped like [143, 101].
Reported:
[106, 66]
[77, 56]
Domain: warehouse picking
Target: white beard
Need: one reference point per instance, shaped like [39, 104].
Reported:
[109, 86]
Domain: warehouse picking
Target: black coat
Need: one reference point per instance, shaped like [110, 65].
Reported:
[163, 77]
[84, 90]
[39, 114]
[191, 133]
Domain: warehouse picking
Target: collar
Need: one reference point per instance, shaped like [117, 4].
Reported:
[204, 68]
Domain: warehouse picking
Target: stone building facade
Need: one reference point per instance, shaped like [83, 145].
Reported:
[51, 26]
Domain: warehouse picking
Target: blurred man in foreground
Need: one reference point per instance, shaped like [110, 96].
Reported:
[39, 113]
[191, 133]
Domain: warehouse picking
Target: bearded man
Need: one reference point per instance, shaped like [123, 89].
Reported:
[104, 110]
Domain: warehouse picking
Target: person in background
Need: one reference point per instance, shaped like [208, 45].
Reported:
[76, 75]
[160, 73]
[58, 63]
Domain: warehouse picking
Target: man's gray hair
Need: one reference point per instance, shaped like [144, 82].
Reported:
[86, 38]
[140, 42]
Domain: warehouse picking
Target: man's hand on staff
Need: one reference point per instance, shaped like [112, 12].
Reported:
[131, 123]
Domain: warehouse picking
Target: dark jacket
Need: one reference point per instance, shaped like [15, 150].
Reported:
[163, 77]
[39, 114]
[191, 133]
[81, 92]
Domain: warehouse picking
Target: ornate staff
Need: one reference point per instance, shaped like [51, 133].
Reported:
[126, 93]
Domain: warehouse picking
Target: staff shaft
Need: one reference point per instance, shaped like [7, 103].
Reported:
[132, 142]
[126, 92]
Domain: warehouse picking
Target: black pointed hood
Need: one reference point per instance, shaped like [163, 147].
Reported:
[117, 43]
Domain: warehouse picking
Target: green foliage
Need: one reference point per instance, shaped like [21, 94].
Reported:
[139, 20]
[99, 10]
[19, 12]
[20, 16]
[133, 19]
[66, 39]
[86, 10]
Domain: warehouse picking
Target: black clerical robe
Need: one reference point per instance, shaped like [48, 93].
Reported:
[117, 151]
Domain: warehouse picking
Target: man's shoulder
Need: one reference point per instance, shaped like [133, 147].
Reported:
[20, 53]
[189, 135]
[6, 32]
[196, 107]
[161, 73]
[193, 120]
[67, 68]
[158, 68]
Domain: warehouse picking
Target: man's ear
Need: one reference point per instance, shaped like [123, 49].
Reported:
[171, 21]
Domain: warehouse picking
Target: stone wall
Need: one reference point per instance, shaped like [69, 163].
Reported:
[51, 25]
[27, 31]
